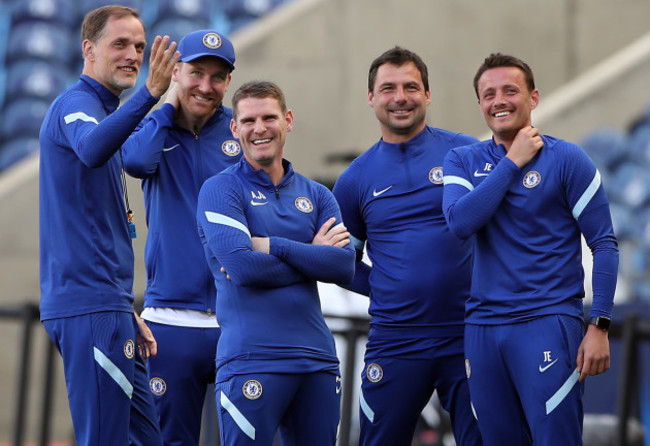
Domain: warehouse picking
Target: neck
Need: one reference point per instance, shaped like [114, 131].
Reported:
[192, 124]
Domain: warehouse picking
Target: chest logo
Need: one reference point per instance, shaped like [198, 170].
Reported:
[304, 204]
[532, 179]
[167, 149]
[258, 199]
[376, 193]
[435, 175]
[231, 147]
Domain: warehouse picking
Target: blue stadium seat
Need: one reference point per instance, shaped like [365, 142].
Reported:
[241, 12]
[623, 221]
[175, 28]
[199, 10]
[89, 5]
[65, 12]
[36, 78]
[49, 41]
[23, 118]
[630, 185]
[640, 143]
[607, 147]
[17, 150]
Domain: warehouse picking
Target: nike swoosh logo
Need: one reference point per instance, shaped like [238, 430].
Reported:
[545, 368]
[167, 149]
[478, 174]
[376, 193]
[259, 203]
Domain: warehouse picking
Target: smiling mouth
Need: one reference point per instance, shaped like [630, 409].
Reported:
[261, 141]
[501, 114]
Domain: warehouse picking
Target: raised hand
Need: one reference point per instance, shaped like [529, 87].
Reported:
[161, 63]
[525, 146]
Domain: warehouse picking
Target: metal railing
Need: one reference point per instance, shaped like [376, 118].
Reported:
[633, 331]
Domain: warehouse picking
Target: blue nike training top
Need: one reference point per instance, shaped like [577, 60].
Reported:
[528, 224]
[269, 311]
[86, 257]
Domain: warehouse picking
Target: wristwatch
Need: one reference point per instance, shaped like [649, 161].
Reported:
[601, 322]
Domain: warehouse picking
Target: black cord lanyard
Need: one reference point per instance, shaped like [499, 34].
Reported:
[129, 212]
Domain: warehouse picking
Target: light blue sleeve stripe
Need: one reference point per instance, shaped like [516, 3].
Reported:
[452, 179]
[562, 392]
[221, 219]
[79, 116]
[358, 244]
[113, 371]
[587, 196]
[368, 412]
[239, 418]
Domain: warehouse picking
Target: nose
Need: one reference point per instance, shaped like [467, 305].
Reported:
[260, 126]
[132, 53]
[400, 94]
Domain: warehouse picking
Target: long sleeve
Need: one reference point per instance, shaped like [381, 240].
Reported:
[225, 231]
[95, 141]
[347, 195]
[143, 150]
[467, 208]
[318, 262]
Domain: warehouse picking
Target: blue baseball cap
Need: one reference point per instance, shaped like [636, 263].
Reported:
[206, 42]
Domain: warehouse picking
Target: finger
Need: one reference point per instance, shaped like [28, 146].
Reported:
[326, 226]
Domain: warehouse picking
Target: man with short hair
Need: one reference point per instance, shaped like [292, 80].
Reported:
[391, 201]
[86, 257]
[174, 150]
[275, 233]
[527, 199]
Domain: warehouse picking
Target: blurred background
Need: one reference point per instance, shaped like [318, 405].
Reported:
[591, 60]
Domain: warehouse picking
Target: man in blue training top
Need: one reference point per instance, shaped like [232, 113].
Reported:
[528, 198]
[86, 258]
[274, 234]
[391, 199]
[174, 150]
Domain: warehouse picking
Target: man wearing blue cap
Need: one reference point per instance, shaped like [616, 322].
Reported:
[174, 150]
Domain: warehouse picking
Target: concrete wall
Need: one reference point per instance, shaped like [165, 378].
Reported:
[319, 52]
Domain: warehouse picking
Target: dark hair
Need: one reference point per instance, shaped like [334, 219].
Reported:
[258, 89]
[94, 22]
[497, 60]
[398, 56]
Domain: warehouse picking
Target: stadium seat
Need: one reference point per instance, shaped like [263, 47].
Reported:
[89, 5]
[176, 28]
[36, 78]
[630, 185]
[64, 12]
[607, 147]
[622, 220]
[16, 150]
[50, 41]
[23, 118]
[241, 12]
[640, 143]
[189, 9]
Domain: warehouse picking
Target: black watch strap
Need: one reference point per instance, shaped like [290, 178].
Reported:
[602, 322]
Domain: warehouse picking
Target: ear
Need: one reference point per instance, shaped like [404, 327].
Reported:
[289, 118]
[370, 98]
[175, 70]
[233, 128]
[534, 99]
[88, 50]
